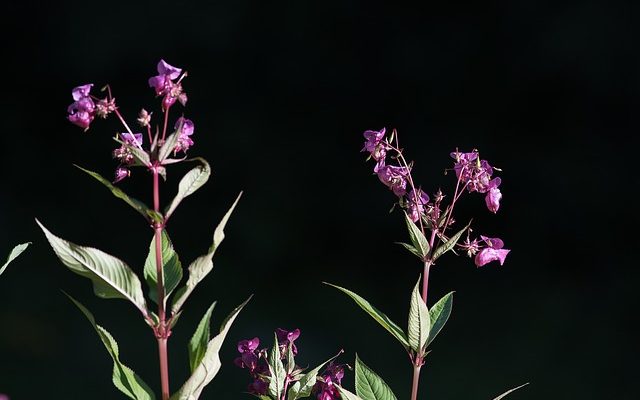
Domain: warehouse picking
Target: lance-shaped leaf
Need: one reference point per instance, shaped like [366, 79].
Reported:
[189, 183]
[419, 321]
[503, 395]
[377, 315]
[127, 381]
[278, 373]
[449, 244]
[411, 249]
[14, 253]
[171, 268]
[136, 204]
[169, 144]
[200, 339]
[210, 364]
[303, 387]
[369, 386]
[347, 395]
[439, 314]
[111, 277]
[418, 240]
[202, 265]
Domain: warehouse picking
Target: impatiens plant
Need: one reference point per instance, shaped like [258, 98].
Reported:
[429, 222]
[151, 152]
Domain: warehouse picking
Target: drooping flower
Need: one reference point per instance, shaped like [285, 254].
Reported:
[164, 84]
[325, 388]
[394, 177]
[186, 130]
[493, 197]
[493, 252]
[82, 110]
[416, 200]
[286, 338]
[473, 171]
[375, 144]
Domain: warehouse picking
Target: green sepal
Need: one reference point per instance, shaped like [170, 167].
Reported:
[418, 240]
[449, 244]
[369, 386]
[111, 277]
[419, 321]
[171, 268]
[192, 181]
[127, 381]
[202, 265]
[210, 363]
[200, 339]
[137, 205]
[439, 314]
[378, 316]
[15, 252]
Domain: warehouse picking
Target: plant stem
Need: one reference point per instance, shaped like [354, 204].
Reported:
[161, 330]
[416, 380]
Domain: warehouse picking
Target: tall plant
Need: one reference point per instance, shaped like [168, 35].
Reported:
[165, 144]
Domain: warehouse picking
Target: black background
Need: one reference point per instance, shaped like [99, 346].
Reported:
[280, 93]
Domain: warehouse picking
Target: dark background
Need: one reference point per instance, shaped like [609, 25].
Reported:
[280, 93]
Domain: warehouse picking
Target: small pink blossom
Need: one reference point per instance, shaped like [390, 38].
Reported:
[493, 252]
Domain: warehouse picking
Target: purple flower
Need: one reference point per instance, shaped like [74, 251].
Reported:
[493, 196]
[472, 171]
[82, 110]
[164, 85]
[186, 130]
[258, 387]
[248, 356]
[416, 202]
[287, 337]
[375, 144]
[394, 177]
[493, 252]
[325, 388]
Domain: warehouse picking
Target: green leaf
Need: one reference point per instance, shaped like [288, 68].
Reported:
[202, 265]
[171, 268]
[210, 363]
[377, 315]
[136, 204]
[509, 391]
[369, 386]
[169, 144]
[200, 339]
[418, 240]
[278, 373]
[191, 182]
[347, 395]
[411, 249]
[419, 321]
[303, 387]
[14, 253]
[439, 314]
[127, 381]
[111, 277]
[448, 245]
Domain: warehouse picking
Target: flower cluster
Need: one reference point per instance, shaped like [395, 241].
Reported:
[131, 153]
[474, 175]
[325, 388]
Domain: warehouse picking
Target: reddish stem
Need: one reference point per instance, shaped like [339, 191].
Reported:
[416, 380]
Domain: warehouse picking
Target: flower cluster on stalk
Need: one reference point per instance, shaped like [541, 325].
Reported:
[473, 175]
[168, 85]
[325, 388]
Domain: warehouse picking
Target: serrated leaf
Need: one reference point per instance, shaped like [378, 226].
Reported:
[171, 268]
[189, 183]
[377, 315]
[278, 373]
[439, 314]
[449, 244]
[111, 277]
[127, 381]
[503, 395]
[200, 339]
[418, 240]
[210, 364]
[15, 252]
[136, 204]
[369, 386]
[347, 395]
[419, 321]
[303, 387]
[411, 249]
[202, 265]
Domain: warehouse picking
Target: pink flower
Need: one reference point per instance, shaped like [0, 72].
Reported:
[165, 86]
[493, 197]
[493, 252]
